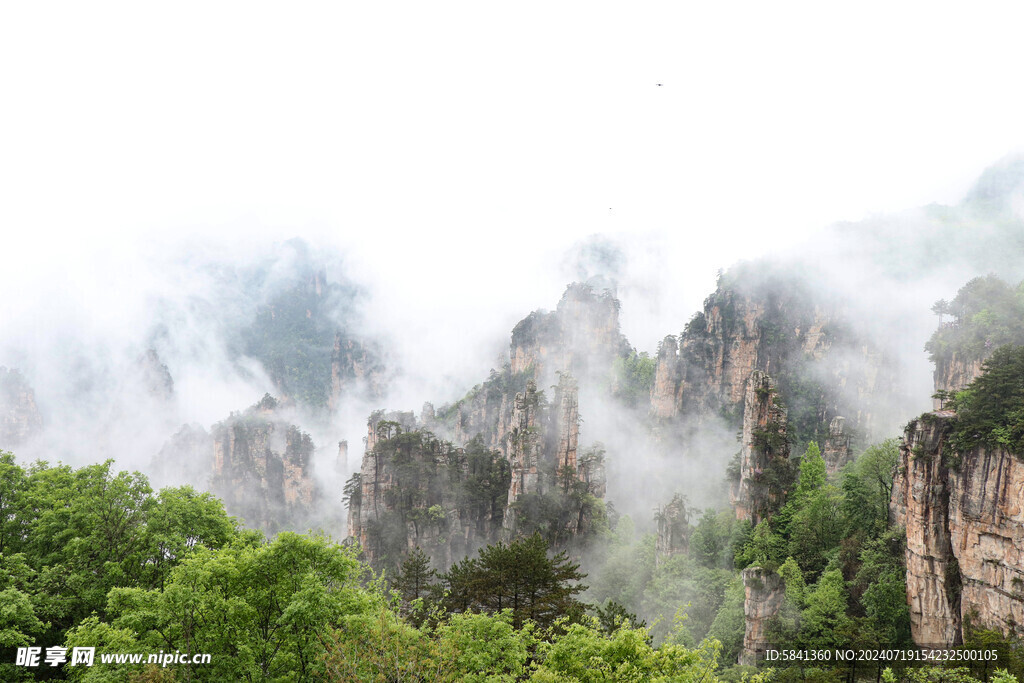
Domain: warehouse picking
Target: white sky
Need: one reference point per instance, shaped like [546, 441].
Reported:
[461, 147]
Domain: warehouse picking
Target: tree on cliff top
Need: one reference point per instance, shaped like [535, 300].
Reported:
[991, 410]
[987, 313]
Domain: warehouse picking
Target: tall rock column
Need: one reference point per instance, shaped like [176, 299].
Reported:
[568, 422]
[523, 449]
[764, 595]
[836, 451]
[673, 530]
[764, 446]
[667, 376]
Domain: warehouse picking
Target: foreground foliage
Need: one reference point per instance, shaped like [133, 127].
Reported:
[94, 558]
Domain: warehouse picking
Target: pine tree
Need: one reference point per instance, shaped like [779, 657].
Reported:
[415, 578]
[518, 576]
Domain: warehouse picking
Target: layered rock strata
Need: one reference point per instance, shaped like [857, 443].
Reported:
[964, 517]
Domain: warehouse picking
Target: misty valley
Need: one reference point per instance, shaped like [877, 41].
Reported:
[826, 458]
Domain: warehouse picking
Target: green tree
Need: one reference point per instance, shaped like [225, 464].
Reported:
[729, 624]
[612, 615]
[816, 528]
[824, 620]
[181, 520]
[633, 377]
[415, 578]
[785, 627]
[265, 608]
[13, 483]
[484, 648]
[518, 576]
[377, 646]
[812, 471]
[764, 549]
[885, 602]
[991, 410]
[582, 654]
[711, 540]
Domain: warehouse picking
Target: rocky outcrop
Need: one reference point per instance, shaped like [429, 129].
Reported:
[953, 372]
[764, 596]
[667, 379]
[580, 337]
[964, 516]
[19, 416]
[590, 471]
[673, 530]
[567, 422]
[764, 453]
[186, 457]
[719, 349]
[341, 463]
[356, 368]
[578, 340]
[303, 333]
[524, 449]
[255, 461]
[836, 450]
[762, 320]
[262, 467]
[415, 489]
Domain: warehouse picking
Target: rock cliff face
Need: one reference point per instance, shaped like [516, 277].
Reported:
[581, 337]
[356, 368]
[415, 489]
[964, 517]
[706, 369]
[668, 372]
[771, 323]
[19, 415]
[986, 518]
[536, 436]
[262, 467]
[954, 372]
[764, 595]
[921, 495]
[303, 333]
[764, 452]
[255, 461]
[156, 377]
